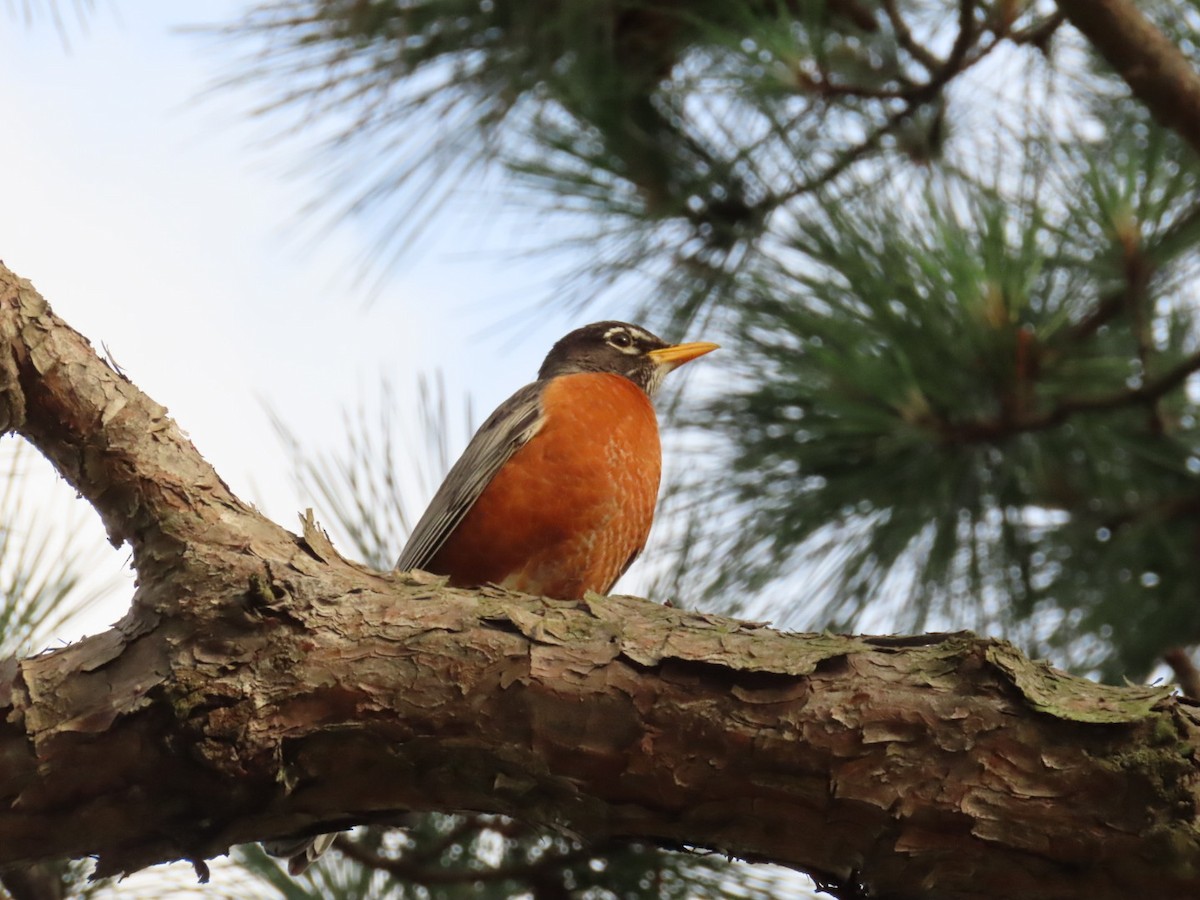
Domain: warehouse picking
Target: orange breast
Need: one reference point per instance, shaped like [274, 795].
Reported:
[567, 512]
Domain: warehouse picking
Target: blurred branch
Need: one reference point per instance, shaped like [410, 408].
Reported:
[1157, 72]
[1168, 510]
[1106, 308]
[960, 57]
[1039, 33]
[962, 43]
[1139, 261]
[905, 38]
[997, 429]
[915, 97]
[40, 881]
[432, 850]
[32, 10]
[1185, 671]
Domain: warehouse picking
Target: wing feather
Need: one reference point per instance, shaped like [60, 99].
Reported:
[506, 430]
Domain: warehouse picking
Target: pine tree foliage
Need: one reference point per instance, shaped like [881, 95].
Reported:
[48, 577]
[48, 568]
[988, 394]
[31, 12]
[370, 489]
[975, 398]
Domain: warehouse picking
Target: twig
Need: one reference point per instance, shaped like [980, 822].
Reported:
[906, 41]
[917, 96]
[1149, 393]
[1039, 33]
[962, 43]
[1101, 314]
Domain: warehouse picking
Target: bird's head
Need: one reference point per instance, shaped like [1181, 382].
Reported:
[622, 349]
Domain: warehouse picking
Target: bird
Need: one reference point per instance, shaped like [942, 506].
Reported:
[555, 493]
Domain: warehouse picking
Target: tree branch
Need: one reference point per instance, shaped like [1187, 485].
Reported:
[1149, 393]
[905, 39]
[1039, 33]
[1185, 671]
[915, 97]
[262, 686]
[1159, 75]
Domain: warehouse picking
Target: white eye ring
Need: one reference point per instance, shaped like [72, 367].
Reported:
[630, 341]
[620, 339]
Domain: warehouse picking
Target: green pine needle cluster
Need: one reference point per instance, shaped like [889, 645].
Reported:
[988, 394]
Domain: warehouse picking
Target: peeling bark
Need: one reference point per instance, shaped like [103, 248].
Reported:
[261, 685]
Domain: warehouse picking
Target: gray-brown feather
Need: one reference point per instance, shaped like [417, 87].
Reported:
[506, 430]
[616, 347]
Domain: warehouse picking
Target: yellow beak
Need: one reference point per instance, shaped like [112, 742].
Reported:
[673, 357]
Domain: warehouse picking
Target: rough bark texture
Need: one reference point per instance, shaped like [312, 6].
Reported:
[1157, 72]
[261, 685]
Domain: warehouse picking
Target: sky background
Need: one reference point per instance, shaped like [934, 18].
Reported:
[166, 224]
[160, 221]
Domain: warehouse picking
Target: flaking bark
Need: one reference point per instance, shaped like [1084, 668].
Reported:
[261, 685]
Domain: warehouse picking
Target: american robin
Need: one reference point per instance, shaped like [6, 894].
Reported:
[555, 493]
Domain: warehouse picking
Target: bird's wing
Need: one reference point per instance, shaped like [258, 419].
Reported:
[508, 429]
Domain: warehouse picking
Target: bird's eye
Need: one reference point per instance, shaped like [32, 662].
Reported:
[620, 339]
